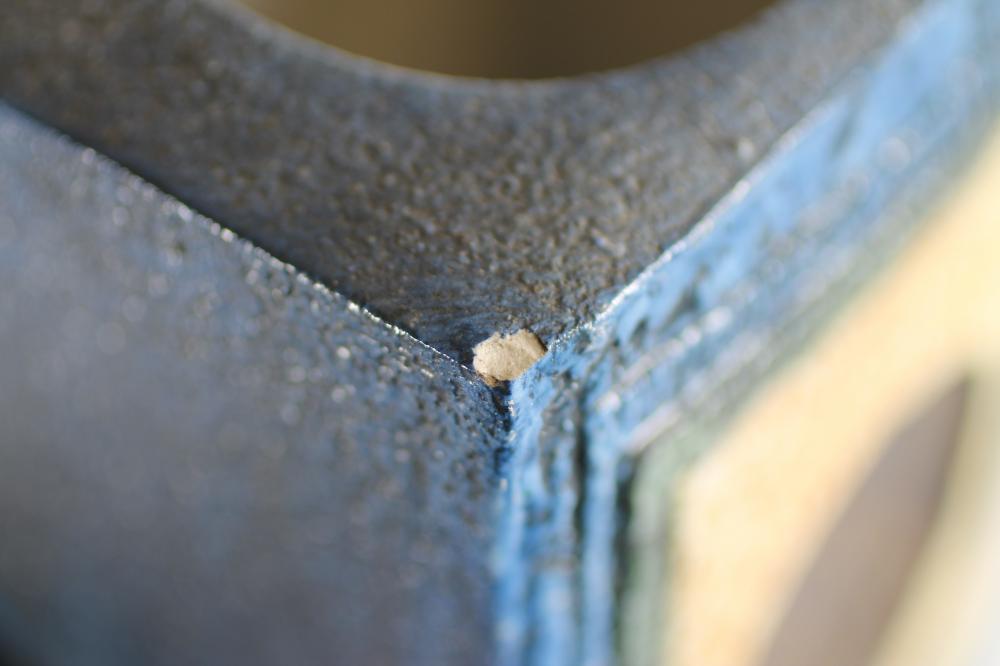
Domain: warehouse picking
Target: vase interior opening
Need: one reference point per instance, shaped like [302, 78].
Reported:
[510, 39]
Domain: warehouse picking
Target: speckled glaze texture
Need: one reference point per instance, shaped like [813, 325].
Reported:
[211, 452]
[685, 343]
[207, 458]
[451, 208]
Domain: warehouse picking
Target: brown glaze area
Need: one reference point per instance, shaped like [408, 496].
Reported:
[509, 38]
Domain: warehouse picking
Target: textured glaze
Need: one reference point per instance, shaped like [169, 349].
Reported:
[686, 342]
[451, 208]
[669, 231]
[190, 469]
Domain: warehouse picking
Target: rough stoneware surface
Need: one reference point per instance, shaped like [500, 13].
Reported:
[455, 209]
[206, 458]
[502, 358]
[451, 208]
[695, 332]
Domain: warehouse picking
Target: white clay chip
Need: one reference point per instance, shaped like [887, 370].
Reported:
[501, 358]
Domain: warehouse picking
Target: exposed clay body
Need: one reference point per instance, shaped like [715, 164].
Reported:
[501, 358]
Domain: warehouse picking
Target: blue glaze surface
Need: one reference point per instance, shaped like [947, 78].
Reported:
[206, 457]
[808, 219]
[410, 495]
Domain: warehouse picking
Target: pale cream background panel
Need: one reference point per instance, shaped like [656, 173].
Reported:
[753, 511]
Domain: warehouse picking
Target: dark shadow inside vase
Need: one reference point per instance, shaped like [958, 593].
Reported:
[511, 39]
